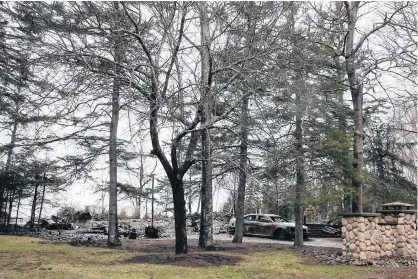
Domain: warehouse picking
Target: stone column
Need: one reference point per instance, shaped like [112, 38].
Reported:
[360, 236]
[389, 233]
[399, 237]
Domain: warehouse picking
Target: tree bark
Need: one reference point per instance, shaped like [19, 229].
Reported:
[239, 221]
[141, 184]
[42, 200]
[9, 215]
[243, 153]
[35, 197]
[179, 215]
[5, 207]
[342, 127]
[198, 202]
[18, 207]
[358, 164]
[206, 222]
[9, 160]
[356, 90]
[152, 202]
[300, 172]
[190, 194]
[113, 237]
[347, 168]
[146, 208]
[300, 168]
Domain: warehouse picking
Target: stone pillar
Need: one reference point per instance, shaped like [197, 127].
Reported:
[400, 232]
[360, 236]
[389, 233]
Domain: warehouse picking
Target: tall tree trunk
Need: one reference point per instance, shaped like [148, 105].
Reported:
[113, 237]
[2, 205]
[166, 203]
[189, 204]
[358, 153]
[179, 215]
[206, 222]
[347, 168]
[356, 89]
[198, 202]
[42, 200]
[277, 196]
[141, 183]
[342, 127]
[146, 208]
[239, 223]
[299, 108]
[138, 205]
[9, 161]
[5, 206]
[35, 197]
[18, 207]
[9, 215]
[190, 193]
[300, 172]
[152, 202]
[243, 149]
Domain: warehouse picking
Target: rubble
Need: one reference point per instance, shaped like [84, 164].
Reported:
[95, 233]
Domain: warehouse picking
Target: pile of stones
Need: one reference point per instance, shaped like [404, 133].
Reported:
[336, 258]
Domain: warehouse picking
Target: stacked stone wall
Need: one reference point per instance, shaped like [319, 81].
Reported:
[373, 237]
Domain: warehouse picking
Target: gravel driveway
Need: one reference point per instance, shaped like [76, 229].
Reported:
[316, 242]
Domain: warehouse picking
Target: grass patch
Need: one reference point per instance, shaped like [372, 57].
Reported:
[24, 257]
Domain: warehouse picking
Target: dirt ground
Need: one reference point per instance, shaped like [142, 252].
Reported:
[163, 253]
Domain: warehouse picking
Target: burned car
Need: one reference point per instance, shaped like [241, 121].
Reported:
[269, 225]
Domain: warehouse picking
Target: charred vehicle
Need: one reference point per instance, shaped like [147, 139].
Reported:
[268, 225]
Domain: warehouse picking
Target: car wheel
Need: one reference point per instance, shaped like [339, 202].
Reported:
[280, 234]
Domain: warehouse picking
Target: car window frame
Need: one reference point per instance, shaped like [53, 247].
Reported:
[246, 218]
[282, 219]
[269, 220]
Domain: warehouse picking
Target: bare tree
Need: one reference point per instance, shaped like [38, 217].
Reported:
[113, 236]
[243, 148]
[206, 223]
[357, 76]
